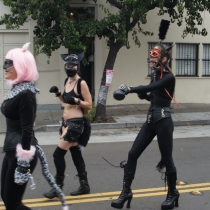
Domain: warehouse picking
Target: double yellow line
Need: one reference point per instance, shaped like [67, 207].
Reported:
[105, 196]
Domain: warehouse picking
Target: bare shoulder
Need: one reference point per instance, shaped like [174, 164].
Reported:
[83, 83]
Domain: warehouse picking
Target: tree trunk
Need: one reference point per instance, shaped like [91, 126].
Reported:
[103, 90]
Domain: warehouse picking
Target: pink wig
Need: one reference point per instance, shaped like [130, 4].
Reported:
[24, 64]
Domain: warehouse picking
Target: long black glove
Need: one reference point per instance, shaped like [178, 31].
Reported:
[121, 92]
[54, 89]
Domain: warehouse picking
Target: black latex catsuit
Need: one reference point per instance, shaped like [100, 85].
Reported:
[158, 121]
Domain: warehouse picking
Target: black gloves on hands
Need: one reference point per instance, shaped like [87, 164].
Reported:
[124, 88]
[121, 92]
[142, 95]
[69, 100]
[54, 89]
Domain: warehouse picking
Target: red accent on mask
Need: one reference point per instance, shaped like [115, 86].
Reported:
[154, 53]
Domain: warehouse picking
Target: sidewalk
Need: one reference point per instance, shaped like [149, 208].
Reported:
[126, 116]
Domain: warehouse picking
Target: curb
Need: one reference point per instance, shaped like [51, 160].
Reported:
[97, 126]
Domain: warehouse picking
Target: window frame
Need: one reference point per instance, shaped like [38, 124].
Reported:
[204, 60]
[188, 60]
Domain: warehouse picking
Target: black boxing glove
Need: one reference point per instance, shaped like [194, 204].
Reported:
[121, 92]
[124, 88]
[54, 89]
[69, 100]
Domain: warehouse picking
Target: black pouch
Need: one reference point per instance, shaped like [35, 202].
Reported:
[74, 130]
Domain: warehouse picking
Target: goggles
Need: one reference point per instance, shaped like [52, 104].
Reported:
[154, 53]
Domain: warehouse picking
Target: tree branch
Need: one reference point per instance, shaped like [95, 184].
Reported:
[116, 4]
[170, 5]
[133, 23]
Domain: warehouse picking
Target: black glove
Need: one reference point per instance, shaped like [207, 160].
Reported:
[121, 92]
[124, 88]
[53, 89]
[69, 100]
[142, 95]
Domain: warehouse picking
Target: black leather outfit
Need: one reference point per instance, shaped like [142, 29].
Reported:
[158, 123]
[75, 125]
[67, 95]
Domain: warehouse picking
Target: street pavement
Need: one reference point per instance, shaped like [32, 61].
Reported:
[191, 157]
[113, 142]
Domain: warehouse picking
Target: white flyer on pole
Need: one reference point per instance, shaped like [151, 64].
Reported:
[109, 76]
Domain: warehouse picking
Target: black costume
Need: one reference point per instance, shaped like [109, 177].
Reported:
[78, 130]
[20, 114]
[158, 123]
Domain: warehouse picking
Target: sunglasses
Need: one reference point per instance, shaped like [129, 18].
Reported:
[154, 53]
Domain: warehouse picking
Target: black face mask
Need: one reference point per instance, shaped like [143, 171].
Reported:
[70, 71]
[7, 63]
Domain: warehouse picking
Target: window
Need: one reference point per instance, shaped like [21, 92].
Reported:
[186, 59]
[150, 46]
[206, 60]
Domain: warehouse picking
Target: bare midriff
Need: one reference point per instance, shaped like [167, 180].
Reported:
[72, 111]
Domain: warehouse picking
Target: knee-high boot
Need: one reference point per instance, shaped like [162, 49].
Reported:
[84, 187]
[52, 193]
[172, 197]
[126, 194]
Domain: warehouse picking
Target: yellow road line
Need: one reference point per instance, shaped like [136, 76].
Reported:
[116, 193]
[79, 199]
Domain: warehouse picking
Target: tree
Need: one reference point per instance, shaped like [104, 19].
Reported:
[55, 27]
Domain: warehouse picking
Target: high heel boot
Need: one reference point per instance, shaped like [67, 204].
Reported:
[84, 187]
[172, 197]
[126, 194]
[52, 193]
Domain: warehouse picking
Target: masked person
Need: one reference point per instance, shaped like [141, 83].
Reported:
[75, 129]
[159, 123]
[19, 109]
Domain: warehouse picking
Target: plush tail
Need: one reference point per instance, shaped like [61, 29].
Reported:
[48, 176]
[85, 136]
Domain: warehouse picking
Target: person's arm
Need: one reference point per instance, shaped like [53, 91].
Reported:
[24, 151]
[143, 96]
[27, 115]
[54, 89]
[87, 102]
[162, 83]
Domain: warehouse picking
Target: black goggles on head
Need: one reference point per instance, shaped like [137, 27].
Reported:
[7, 63]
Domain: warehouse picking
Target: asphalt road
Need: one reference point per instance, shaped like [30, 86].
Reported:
[191, 157]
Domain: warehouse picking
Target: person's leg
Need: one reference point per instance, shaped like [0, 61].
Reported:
[82, 174]
[60, 163]
[164, 130]
[4, 169]
[13, 193]
[142, 140]
[60, 166]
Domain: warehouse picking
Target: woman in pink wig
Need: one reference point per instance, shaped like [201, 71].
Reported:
[20, 145]
[19, 109]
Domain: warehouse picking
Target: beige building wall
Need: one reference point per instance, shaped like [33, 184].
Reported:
[130, 66]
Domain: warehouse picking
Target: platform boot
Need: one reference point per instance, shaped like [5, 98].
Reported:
[172, 197]
[126, 194]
